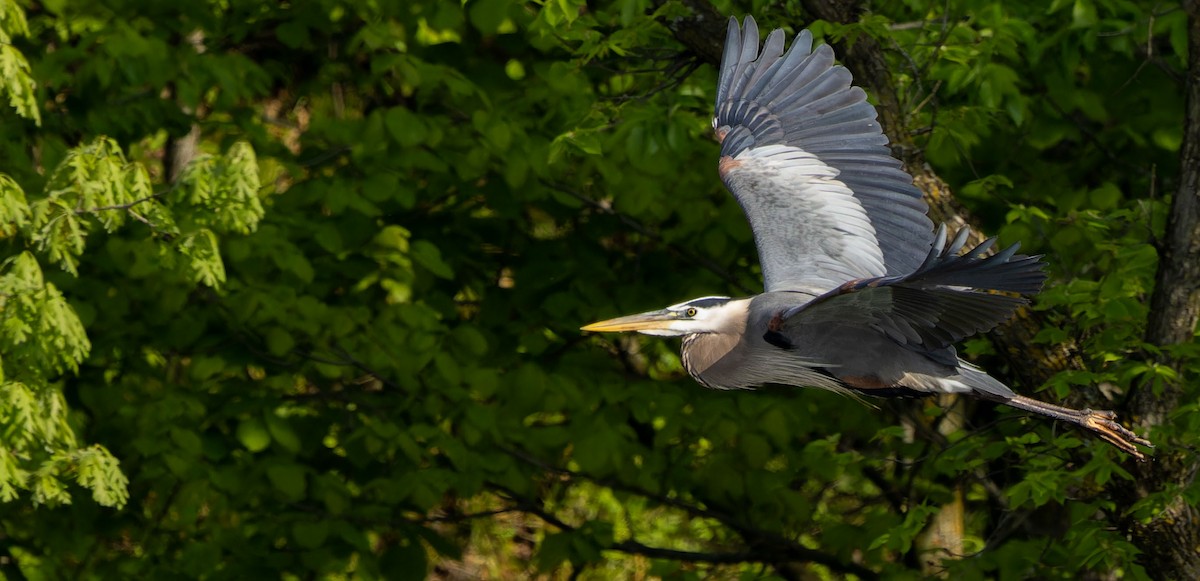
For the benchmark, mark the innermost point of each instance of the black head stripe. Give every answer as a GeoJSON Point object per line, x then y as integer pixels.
{"type": "Point", "coordinates": [707, 302]}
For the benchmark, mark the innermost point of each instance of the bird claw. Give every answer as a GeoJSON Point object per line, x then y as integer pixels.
{"type": "Point", "coordinates": [1104, 424]}
{"type": "Point", "coordinates": [1106, 414]}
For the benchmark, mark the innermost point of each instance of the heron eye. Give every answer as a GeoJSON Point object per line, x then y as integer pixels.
{"type": "Point", "coordinates": [691, 312]}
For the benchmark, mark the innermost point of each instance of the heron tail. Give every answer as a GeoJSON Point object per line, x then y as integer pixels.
{"type": "Point", "coordinates": [982, 384]}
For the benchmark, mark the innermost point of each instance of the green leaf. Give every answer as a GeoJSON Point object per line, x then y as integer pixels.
{"type": "Point", "coordinates": [282, 432]}
{"type": "Point", "coordinates": [206, 367]}
{"type": "Point", "coordinates": [310, 535]}
{"type": "Point", "coordinates": [16, 81]}
{"type": "Point", "coordinates": [553, 550]}
{"type": "Point", "coordinates": [1083, 15]}
{"type": "Point", "coordinates": [14, 211]}
{"type": "Point", "coordinates": [405, 560]}
{"type": "Point", "coordinates": [293, 34]}
{"type": "Point", "coordinates": [755, 449]}
{"type": "Point", "coordinates": [203, 257]}
{"type": "Point", "coordinates": [288, 479]}
{"type": "Point", "coordinates": [1106, 196]}
{"type": "Point", "coordinates": [406, 128]}
{"type": "Point", "coordinates": [471, 340]}
{"type": "Point", "coordinates": [1168, 138]}
{"type": "Point", "coordinates": [253, 434]}
{"type": "Point", "coordinates": [428, 255]}
{"type": "Point", "coordinates": [279, 341]}
{"type": "Point", "coordinates": [186, 440]}
{"type": "Point", "coordinates": [514, 69]}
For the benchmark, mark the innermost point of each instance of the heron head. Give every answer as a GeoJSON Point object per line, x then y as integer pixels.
{"type": "Point", "coordinates": [702, 315]}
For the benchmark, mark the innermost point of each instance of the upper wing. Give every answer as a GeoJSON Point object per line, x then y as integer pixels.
{"type": "Point", "coordinates": [944, 301]}
{"type": "Point", "coordinates": [803, 154]}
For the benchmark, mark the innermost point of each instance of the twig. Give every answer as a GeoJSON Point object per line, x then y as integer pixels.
{"type": "Point", "coordinates": [927, 98]}
{"type": "Point", "coordinates": [676, 74]}
{"type": "Point", "coordinates": [322, 157]}
{"type": "Point", "coordinates": [467, 516]}
{"type": "Point", "coordinates": [120, 206]}
{"type": "Point", "coordinates": [141, 218]}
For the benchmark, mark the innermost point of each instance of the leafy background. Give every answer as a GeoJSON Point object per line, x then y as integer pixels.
{"type": "Point", "coordinates": [294, 290]}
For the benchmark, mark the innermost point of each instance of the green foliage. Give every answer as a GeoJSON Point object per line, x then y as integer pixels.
{"type": "Point", "coordinates": [222, 192]}
{"type": "Point", "coordinates": [15, 80]}
{"type": "Point", "coordinates": [343, 342]}
{"type": "Point", "coordinates": [41, 337]}
{"type": "Point", "coordinates": [89, 178]}
{"type": "Point", "coordinates": [41, 334]}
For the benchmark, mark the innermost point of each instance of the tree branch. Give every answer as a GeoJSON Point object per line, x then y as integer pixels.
{"type": "Point", "coordinates": [120, 206]}
{"type": "Point", "coordinates": [768, 554]}
{"type": "Point", "coordinates": [451, 518]}
{"type": "Point", "coordinates": [703, 31]}
{"type": "Point", "coordinates": [793, 554]}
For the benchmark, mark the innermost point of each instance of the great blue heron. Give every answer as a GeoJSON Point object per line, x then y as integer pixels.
{"type": "Point", "coordinates": [862, 296]}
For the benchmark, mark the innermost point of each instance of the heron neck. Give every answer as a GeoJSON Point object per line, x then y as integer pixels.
{"type": "Point", "coordinates": [702, 350]}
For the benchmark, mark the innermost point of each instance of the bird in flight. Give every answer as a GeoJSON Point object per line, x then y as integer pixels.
{"type": "Point", "coordinates": [862, 295]}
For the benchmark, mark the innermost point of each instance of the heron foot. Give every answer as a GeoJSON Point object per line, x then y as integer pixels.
{"type": "Point", "coordinates": [1103, 423]}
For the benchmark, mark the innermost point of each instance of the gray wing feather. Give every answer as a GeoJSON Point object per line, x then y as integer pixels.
{"type": "Point", "coordinates": [947, 299]}
{"type": "Point", "coordinates": [802, 99]}
{"type": "Point", "coordinates": [811, 232]}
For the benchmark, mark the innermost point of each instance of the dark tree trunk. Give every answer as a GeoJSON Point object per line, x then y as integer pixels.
{"type": "Point", "coordinates": [1175, 305]}
{"type": "Point", "coordinates": [1170, 541]}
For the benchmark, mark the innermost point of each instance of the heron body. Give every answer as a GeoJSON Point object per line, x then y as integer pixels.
{"type": "Point", "coordinates": [862, 295]}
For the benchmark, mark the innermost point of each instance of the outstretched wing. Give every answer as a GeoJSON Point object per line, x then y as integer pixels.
{"type": "Point", "coordinates": [803, 154]}
{"type": "Point", "coordinates": [947, 299]}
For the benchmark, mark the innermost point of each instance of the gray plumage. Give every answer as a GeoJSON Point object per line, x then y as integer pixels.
{"type": "Point", "coordinates": [861, 294]}
{"type": "Point", "coordinates": [802, 100]}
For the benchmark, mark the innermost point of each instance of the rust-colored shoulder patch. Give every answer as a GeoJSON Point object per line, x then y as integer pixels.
{"type": "Point", "coordinates": [776, 322]}
{"type": "Point", "coordinates": [727, 164]}
{"type": "Point", "coordinates": [721, 133]}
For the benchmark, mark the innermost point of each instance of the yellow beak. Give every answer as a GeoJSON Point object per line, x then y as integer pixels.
{"type": "Point", "coordinates": [651, 321]}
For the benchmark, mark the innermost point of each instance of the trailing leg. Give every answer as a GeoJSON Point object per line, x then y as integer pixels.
{"type": "Point", "coordinates": [1102, 422]}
